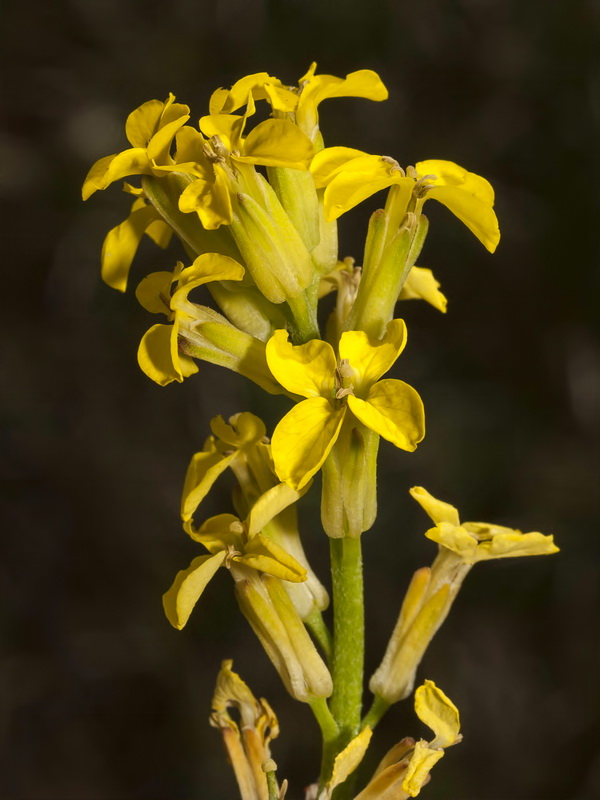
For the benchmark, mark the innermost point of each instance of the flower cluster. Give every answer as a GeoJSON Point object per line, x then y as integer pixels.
{"type": "Point", "coordinates": [254, 207]}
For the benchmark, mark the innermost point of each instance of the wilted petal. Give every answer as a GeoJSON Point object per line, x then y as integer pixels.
{"type": "Point", "coordinates": [439, 713]}
{"type": "Point", "coordinates": [180, 599]}
{"type": "Point", "coordinates": [436, 509]}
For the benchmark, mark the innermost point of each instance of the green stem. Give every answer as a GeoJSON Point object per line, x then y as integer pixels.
{"type": "Point", "coordinates": [348, 631]}
{"type": "Point", "coordinates": [316, 625]}
{"type": "Point", "coordinates": [375, 713]}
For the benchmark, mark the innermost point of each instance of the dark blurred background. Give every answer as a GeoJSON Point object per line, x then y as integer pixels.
{"type": "Point", "coordinates": [100, 698]}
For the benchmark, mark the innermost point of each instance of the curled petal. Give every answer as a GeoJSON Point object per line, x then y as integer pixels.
{"type": "Point", "coordinates": [303, 439]}
{"type": "Point", "coordinates": [419, 767]}
{"type": "Point", "coordinates": [306, 369]}
{"type": "Point", "coordinates": [113, 168]}
{"type": "Point", "coordinates": [121, 244]}
{"type": "Point", "coordinates": [394, 410]}
{"type": "Point", "coordinates": [479, 217]}
{"type": "Point", "coordinates": [436, 509]}
{"type": "Point", "coordinates": [154, 292]}
{"type": "Point", "coordinates": [372, 358]}
{"type": "Point", "coordinates": [439, 713]}
{"type": "Point", "coordinates": [242, 429]}
{"type": "Point", "coordinates": [202, 472]}
{"type": "Point", "coordinates": [210, 199]}
{"type": "Point", "coordinates": [159, 356]}
{"type": "Point", "coordinates": [450, 174]}
{"type": "Point", "coordinates": [180, 599]}
{"type": "Point", "coordinates": [359, 179]}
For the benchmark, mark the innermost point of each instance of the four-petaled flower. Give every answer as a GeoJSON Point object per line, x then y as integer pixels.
{"type": "Point", "coordinates": [350, 176]}
{"type": "Point", "coordinates": [336, 389]}
{"type": "Point", "coordinates": [478, 541]}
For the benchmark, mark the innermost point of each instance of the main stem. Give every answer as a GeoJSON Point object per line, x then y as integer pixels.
{"type": "Point", "coordinates": [348, 635]}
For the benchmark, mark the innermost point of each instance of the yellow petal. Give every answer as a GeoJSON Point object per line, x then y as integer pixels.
{"type": "Point", "coordinates": [121, 244]}
{"type": "Point", "coordinates": [270, 504]}
{"type": "Point", "coordinates": [439, 713]}
{"type": "Point", "coordinates": [206, 268]}
{"type": "Point", "coordinates": [210, 199]}
{"type": "Point", "coordinates": [159, 145]}
{"type": "Point", "coordinates": [350, 757]}
{"type": "Point", "coordinates": [154, 292]}
{"type": "Point", "coordinates": [359, 179]}
{"type": "Point", "coordinates": [478, 216]}
{"type": "Point", "coordinates": [202, 472]}
{"type": "Point", "coordinates": [421, 285]}
{"type": "Point", "coordinates": [244, 428]}
{"type": "Point", "coordinates": [327, 163]}
{"type": "Point", "coordinates": [303, 439]}
{"type": "Point", "coordinates": [362, 83]}
{"type": "Point", "coordinates": [394, 410]}
{"type": "Point", "coordinates": [237, 96]}
{"type": "Point", "coordinates": [281, 99]}
{"type": "Point", "coordinates": [160, 232]}
{"type": "Point", "coordinates": [143, 122]}
{"type": "Point", "coordinates": [113, 168]}
{"type": "Point", "coordinates": [217, 101]}
{"type": "Point", "coordinates": [420, 765]}
{"type": "Point", "coordinates": [180, 599]}
{"type": "Point", "coordinates": [159, 358]}
{"type": "Point", "coordinates": [278, 143]}
{"type": "Point", "coordinates": [437, 509]}
{"type": "Point", "coordinates": [265, 555]}
{"type": "Point", "coordinates": [457, 539]}
{"type": "Point", "coordinates": [221, 532]}
{"type": "Point", "coordinates": [450, 174]}
{"type": "Point", "coordinates": [306, 369]}
{"type": "Point", "coordinates": [228, 127]}
{"type": "Point", "coordinates": [509, 543]}
{"type": "Point", "coordinates": [372, 358]}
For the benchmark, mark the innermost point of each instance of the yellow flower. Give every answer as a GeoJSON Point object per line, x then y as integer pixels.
{"type": "Point", "coordinates": [405, 768]}
{"type": "Point", "coordinates": [259, 566]}
{"type": "Point", "coordinates": [432, 591]}
{"type": "Point", "coordinates": [220, 163]}
{"type": "Point", "coordinates": [232, 542]}
{"type": "Point", "coordinates": [304, 437]}
{"type": "Point", "coordinates": [166, 352]}
{"type": "Point", "coordinates": [242, 446]}
{"type": "Point", "coordinates": [350, 176]}
{"type": "Point", "coordinates": [478, 541]}
{"type": "Point", "coordinates": [303, 101]}
{"type": "Point", "coordinates": [150, 129]}
{"type": "Point", "coordinates": [440, 714]}
{"type": "Point", "coordinates": [247, 739]}
{"type": "Point", "coordinates": [159, 355]}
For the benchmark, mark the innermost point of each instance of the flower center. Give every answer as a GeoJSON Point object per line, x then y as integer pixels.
{"type": "Point", "coordinates": [344, 375]}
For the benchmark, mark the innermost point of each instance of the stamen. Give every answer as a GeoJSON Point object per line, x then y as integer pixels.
{"type": "Point", "coordinates": [231, 554]}
{"type": "Point", "coordinates": [395, 166]}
